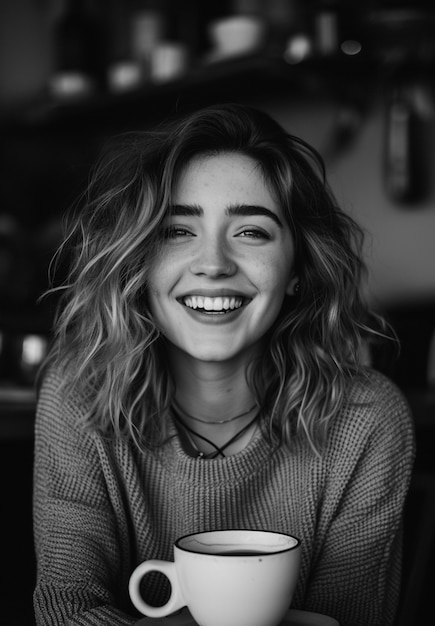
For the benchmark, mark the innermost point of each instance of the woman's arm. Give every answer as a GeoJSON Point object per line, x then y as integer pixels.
{"type": "Point", "coordinates": [76, 537]}
{"type": "Point", "coordinates": [357, 568]}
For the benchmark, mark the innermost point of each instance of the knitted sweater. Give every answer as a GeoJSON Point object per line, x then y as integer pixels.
{"type": "Point", "coordinates": [101, 507]}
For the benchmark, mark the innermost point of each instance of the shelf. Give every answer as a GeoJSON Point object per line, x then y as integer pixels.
{"type": "Point", "coordinates": [17, 413]}
{"type": "Point", "coordinates": [21, 396]}
{"type": "Point", "coordinates": [236, 80]}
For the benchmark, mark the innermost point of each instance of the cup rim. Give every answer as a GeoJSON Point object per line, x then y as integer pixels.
{"type": "Point", "coordinates": [297, 542]}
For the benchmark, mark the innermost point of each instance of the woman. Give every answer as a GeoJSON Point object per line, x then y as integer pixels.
{"type": "Point", "coordinates": [206, 373]}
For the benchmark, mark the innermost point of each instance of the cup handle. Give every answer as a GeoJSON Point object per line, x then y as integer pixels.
{"type": "Point", "coordinates": [176, 600]}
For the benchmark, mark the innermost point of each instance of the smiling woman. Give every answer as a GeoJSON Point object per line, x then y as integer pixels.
{"type": "Point", "coordinates": [223, 254]}
{"type": "Point", "coordinates": [206, 374]}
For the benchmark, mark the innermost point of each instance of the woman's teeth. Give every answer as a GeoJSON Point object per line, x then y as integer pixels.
{"type": "Point", "coordinates": [213, 304]}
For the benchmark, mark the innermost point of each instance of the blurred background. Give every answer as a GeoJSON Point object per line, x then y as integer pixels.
{"type": "Point", "coordinates": [354, 78]}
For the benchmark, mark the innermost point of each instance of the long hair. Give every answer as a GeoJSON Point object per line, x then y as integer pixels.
{"type": "Point", "coordinates": [105, 339]}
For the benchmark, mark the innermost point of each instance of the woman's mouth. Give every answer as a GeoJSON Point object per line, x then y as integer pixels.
{"type": "Point", "coordinates": [218, 305]}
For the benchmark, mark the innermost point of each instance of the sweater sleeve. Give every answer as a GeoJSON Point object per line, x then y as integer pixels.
{"type": "Point", "coordinates": [76, 538]}
{"type": "Point", "coordinates": [358, 564]}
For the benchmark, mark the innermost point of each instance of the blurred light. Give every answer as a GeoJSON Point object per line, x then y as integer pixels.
{"type": "Point", "coordinates": [351, 47]}
{"type": "Point", "coordinates": [34, 350]}
{"type": "Point", "coordinates": [124, 76]}
{"type": "Point", "coordinates": [298, 49]}
{"type": "Point", "coordinates": [168, 61]}
{"type": "Point", "coordinates": [70, 84]}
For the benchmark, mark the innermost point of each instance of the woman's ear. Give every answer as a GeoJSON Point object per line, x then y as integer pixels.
{"type": "Point", "coordinates": [293, 286]}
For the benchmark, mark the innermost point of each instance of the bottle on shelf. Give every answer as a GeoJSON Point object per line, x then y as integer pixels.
{"type": "Point", "coordinates": [327, 27]}
{"type": "Point", "coordinates": [79, 49]}
{"type": "Point", "coordinates": [147, 31]}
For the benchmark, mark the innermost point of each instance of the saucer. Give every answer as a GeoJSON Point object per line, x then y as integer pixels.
{"type": "Point", "coordinates": [307, 618]}
{"type": "Point", "coordinates": [292, 618]}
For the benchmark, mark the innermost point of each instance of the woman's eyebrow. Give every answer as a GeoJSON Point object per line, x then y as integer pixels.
{"type": "Point", "coordinates": [246, 210]}
{"type": "Point", "coordinates": [237, 210]}
{"type": "Point", "coordinates": [186, 210]}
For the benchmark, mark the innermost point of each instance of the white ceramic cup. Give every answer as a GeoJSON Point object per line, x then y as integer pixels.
{"type": "Point", "coordinates": [226, 578]}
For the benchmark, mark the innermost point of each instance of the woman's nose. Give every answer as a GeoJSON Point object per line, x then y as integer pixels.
{"type": "Point", "coordinates": [212, 258]}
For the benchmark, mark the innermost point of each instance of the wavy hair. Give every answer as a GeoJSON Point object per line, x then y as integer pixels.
{"type": "Point", "coordinates": [105, 339]}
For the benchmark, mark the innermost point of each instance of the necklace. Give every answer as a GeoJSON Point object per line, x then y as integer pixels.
{"type": "Point", "coordinates": [179, 410]}
{"type": "Point", "coordinates": [219, 450]}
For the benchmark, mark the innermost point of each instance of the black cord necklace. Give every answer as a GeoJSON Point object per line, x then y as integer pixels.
{"type": "Point", "coordinates": [179, 410]}
{"type": "Point", "coordinates": [219, 450]}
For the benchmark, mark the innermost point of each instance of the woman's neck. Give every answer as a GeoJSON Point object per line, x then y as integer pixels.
{"type": "Point", "coordinates": [214, 406]}
{"type": "Point", "coordinates": [211, 391]}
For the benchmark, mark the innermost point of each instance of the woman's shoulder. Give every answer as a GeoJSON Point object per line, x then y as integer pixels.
{"type": "Point", "coordinates": [59, 400]}
{"type": "Point", "coordinates": [375, 403]}
{"type": "Point", "coordinates": [58, 384]}
{"type": "Point", "coordinates": [371, 388]}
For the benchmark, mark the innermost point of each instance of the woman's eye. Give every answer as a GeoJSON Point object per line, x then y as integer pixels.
{"type": "Point", "coordinates": [254, 233]}
{"type": "Point", "coordinates": [176, 232]}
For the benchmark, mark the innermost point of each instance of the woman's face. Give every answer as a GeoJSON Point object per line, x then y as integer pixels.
{"type": "Point", "coordinates": [227, 260]}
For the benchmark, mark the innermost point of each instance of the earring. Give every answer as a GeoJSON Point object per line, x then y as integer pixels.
{"type": "Point", "coordinates": [297, 288]}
